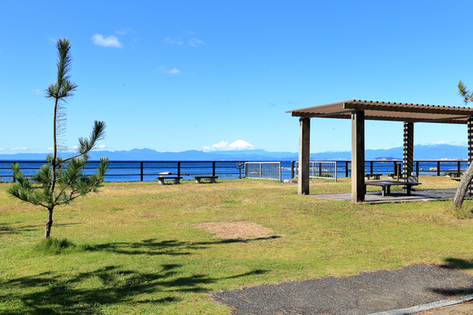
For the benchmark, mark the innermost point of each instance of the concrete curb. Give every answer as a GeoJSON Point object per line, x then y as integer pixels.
{"type": "Point", "coordinates": [428, 306]}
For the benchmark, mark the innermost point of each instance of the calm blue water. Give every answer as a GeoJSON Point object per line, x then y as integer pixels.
{"type": "Point", "coordinates": [131, 171]}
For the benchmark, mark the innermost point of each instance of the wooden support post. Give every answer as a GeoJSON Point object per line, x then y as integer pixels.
{"type": "Point", "coordinates": [358, 156]}
{"type": "Point", "coordinates": [470, 139]}
{"type": "Point", "coordinates": [408, 150]}
{"type": "Point", "coordinates": [304, 156]}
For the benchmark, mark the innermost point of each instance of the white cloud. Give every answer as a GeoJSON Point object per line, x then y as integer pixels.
{"type": "Point", "coordinates": [224, 146]}
{"type": "Point", "coordinates": [110, 41]}
{"type": "Point", "coordinates": [176, 41]}
{"type": "Point", "coordinates": [163, 69]}
{"type": "Point", "coordinates": [194, 42]}
{"type": "Point", "coordinates": [101, 146]}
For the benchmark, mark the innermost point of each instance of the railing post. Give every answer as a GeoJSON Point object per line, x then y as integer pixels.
{"type": "Point", "coordinates": [280, 172]}
{"type": "Point", "coordinates": [292, 169]}
{"type": "Point", "coordinates": [178, 169]}
{"type": "Point", "coordinates": [320, 169]}
{"type": "Point", "coordinates": [417, 168]}
{"type": "Point", "coordinates": [458, 167]}
{"type": "Point", "coordinates": [438, 168]}
{"type": "Point", "coordinates": [213, 168]}
{"type": "Point", "coordinates": [141, 170]}
{"type": "Point", "coordinates": [346, 169]}
{"type": "Point", "coordinates": [371, 167]}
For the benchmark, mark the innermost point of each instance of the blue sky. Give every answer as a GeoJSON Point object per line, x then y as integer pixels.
{"type": "Point", "coordinates": [211, 75]}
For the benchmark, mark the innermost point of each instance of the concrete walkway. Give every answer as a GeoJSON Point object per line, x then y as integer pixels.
{"type": "Point", "coordinates": [459, 309]}
{"type": "Point", "coordinates": [396, 196]}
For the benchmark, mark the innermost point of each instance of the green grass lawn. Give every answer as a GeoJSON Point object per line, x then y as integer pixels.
{"type": "Point", "coordinates": [139, 248]}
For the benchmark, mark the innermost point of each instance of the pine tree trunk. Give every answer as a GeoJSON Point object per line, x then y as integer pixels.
{"type": "Point", "coordinates": [49, 224]}
{"type": "Point", "coordinates": [463, 187]}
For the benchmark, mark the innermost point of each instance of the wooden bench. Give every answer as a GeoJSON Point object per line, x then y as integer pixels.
{"type": "Point", "coordinates": [176, 179]}
{"type": "Point", "coordinates": [453, 174]}
{"type": "Point", "coordinates": [386, 185]}
{"type": "Point", "coordinates": [198, 178]}
{"type": "Point", "coordinates": [375, 176]}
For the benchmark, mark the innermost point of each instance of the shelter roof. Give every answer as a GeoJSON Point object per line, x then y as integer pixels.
{"type": "Point", "coordinates": [389, 112]}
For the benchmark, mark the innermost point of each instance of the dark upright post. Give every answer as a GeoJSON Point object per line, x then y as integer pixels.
{"type": "Point", "coordinates": [304, 156]}
{"type": "Point", "coordinates": [141, 170]}
{"type": "Point", "coordinates": [408, 150]}
{"type": "Point", "coordinates": [358, 156]}
{"type": "Point", "coordinates": [470, 140]}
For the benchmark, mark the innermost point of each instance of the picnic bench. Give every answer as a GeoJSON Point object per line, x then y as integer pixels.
{"type": "Point", "coordinates": [453, 174]}
{"type": "Point", "coordinates": [199, 178]}
{"type": "Point", "coordinates": [470, 188]}
{"type": "Point", "coordinates": [386, 185]}
{"type": "Point", "coordinates": [375, 176]}
{"type": "Point", "coordinates": [162, 178]}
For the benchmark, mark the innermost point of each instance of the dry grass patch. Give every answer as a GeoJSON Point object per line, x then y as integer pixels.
{"type": "Point", "coordinates": [236, 230]}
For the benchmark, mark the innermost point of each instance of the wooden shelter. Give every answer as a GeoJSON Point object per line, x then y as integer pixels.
{"type": "Point", "coordinates": [359, 111]}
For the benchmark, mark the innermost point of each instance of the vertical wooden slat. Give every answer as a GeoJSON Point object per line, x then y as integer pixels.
{"type": "Point", "coordinates": [470, 139]}
{"type": "Point", "coordinates": [408, 150]}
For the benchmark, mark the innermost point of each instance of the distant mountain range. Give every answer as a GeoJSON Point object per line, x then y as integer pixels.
{"type": "Point", "coordinates": [421, 152]}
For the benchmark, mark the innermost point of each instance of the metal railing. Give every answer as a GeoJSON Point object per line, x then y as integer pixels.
{"type": "Point", "coordinates": [320, 169]}
{"type": "Point", "coordinates": [263, 170]}
{"type": "Point", "coordinates": [149, 170]}
{"type": "Point", "coordinates": [139, 170]}
{"type": "Point", "coordinates": [390, 167]}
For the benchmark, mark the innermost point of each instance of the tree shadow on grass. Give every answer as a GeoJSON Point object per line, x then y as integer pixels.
{"type": "Point", "coordinates": [167, 247]}
{"type": "Point", "coordinates": [457, 264]}
{"type": "Point", "coordinates": [49, 293]}
{"type": "Point", "coordinates": [9, 228]}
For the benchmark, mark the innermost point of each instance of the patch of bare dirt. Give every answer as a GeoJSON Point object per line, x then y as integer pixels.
{"type": "Point", "coordinates": [234, 230]}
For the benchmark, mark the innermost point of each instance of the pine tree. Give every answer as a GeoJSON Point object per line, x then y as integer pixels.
{"type": "Point", "coordinates": [60, 181]}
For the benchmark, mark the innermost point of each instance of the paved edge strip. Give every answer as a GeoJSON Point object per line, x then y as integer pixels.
{"type": "Point", "coordinates": [428, 306]}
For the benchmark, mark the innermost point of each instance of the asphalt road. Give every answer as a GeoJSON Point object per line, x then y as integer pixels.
{"type": "Point", "coordinates": [366, 293]}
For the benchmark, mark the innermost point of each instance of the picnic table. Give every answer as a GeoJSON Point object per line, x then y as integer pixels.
{"type": "Point", "coordinates": [453, 174]}
{"type": "Point", "coordinates": [199, 178]}
{"type": "Point", "coordinates": [386, 185]}
{"type": "Point", "coordinates": [469, 186]}
{"type": "Point", "coordinates": [162, 178]}
{"type": "Point", "coordinates": [375, 176]}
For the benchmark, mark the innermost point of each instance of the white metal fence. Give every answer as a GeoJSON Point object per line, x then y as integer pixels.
{"type": "Point", "coordinates": [320, 169]}
{"type": "Point", "coordinates": [263, 170]}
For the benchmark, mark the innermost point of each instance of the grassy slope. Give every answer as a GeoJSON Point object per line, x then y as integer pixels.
{"type": "Point", "coordinates": [144, 254]}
